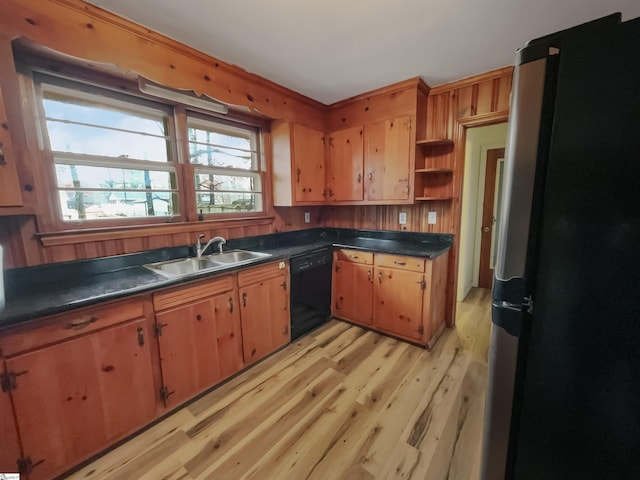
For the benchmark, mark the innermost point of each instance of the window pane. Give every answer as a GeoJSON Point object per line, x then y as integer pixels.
{"type": "Point", "coordinates": [84, 176]}
{"type": "Point", "coordinates": [234, 183]}
{"type": "Point", "coordinates": [61, 107]}
{"type": "Point", "coordinates": [201, 135]}
{"type": "Point", "coordinates": [67, 137]}
{"type": "Point", "coordinates": [220, 157]}
{"type": "Point", "coordinates": [228, 202]}
{"type": "Point", "coordinates": [104, 204]}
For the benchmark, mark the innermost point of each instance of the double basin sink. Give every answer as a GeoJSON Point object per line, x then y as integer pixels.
{"type": "Point", "coordinates": [218, 261]}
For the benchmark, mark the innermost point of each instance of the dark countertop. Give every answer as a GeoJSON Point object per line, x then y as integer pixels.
{"type": "Point", "coordinates": [54, 288]}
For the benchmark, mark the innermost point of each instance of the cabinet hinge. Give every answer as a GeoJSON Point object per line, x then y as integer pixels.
{"type": "Point", "coordinates": [165, 394]}
{"type": "Point", "coordinates": [284, 285]}
{"type": "Point", "coordinates": [26, 465]}
{"type": "Point", "coordinates": [8, 380]}
{"type": "Point", "coordinates": [157, 329]}
{"type": "Point", "coordinates": [421, 329]}
{"type": "Point", "coordinates": [337, 268]}
{"type": "Point", "coordinates": [423, 284]}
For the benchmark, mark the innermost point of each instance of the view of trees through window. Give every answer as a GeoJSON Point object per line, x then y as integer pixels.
{"type": "Point", "coordinates": [114, 156]}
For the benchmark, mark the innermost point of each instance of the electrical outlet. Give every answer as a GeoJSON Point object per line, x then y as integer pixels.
{"type": "Point", "coordinates": [402, 218]}
{"type": "Point", "coordinates": [307, 217]}
{"type": "Point", "coordinates": [431, 218]}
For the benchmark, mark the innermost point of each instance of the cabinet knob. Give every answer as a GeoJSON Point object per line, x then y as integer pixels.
{"type": "Point", "coordinates": [198, 317]}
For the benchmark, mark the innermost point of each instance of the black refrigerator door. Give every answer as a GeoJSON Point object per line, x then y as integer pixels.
{"type": "Point", "coordinates": [579, 407]}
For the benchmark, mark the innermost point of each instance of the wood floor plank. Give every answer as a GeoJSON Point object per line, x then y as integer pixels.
{"type": "Point", "coordinates": [339, 403]}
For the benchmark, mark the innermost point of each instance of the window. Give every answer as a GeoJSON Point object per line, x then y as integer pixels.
{"type": "Point", "coordinates": [228, 177]}
{"type": "Point", "coordinates": [113, 157]}
{"type": "Point", "coordinates": [116, 158]}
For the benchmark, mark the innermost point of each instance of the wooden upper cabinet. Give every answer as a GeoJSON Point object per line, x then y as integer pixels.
{"type": "Point", "coordinates": [73, 398]}
{"type": "Point", "coordinates": [387, 157]}
{"type": "Point", "coordinates": [345, 165]}
{"type": "Point", "coordinates": [10, 192]}
{"type": "Point", "coordinates": [298, 164]}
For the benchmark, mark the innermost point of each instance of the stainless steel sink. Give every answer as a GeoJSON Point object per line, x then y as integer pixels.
{"type": "Point", "coordinates": [236, 256]}
{"type": "Point", "coordinates": [183, 266]}
{"type": "Point", "coordinates": [189, 266]}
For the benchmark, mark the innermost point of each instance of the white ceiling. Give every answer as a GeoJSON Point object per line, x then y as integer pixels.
{"type": "Point", "coordinates": [333, 49]}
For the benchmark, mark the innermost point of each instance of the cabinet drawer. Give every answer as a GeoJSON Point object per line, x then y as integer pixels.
{"type": "Point", "coordinates": [263, 272]}
{"type": "Point", "coordinates": [66, 325]}
{"type": "Point", "coordinates": [173, 297]}
{"type": "Point", "coordinates": [413, 264]}
{"type": "Point", "coordinates": [356, 256]}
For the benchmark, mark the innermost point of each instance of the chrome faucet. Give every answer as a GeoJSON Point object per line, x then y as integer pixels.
{"type": "Point", "coordinates": [200, 249]}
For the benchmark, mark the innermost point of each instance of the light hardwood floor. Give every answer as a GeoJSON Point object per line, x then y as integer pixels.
{"type": "Point", "coordinates": [340, 403]}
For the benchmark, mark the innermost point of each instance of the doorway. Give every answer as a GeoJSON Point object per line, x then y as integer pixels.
{"type": "Point", "coordinates": [479, 141]}
{"type": "Point", "coordinates": [490, 215]}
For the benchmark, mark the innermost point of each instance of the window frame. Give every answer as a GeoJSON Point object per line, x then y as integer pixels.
{"type": "Point", "coordinates": [259, 171]}
{"type": "Point", "coordinates": [122, 88]}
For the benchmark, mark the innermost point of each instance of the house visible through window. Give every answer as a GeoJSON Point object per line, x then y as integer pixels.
{"type": "Point", "coordinates": [227, 170]}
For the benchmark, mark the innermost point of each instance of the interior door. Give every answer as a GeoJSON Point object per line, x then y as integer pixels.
{"type": "Point", "coordinates": [491, 180]}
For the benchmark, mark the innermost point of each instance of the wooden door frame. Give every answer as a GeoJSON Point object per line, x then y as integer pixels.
{"type": "Point", "coordinates": [460, 137]}
{"type": "Point", "coordinates": [491, 160]}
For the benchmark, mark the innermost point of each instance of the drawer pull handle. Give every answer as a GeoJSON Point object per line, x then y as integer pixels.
{"type": "Point", "coordinates": [399, 263]}
{"type": "Point", "coordinates": [230, 304]}
{"type": "Point", "coordinates": [355, 257]}
{"type": "Point", "coordinates": [81, 324]}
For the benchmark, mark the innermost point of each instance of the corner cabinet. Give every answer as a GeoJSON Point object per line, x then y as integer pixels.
{"type": "Point", "coordinates": [85, 378]}
{"type": "Point", "coordinates": [264, 309]}
{"type": "Point", "coordinates": [398, 295]}
{"type": "Point", "coordinates": [298, 165]}
{"type": "Point", "coordinates": [199, 337]}
{"type": "Point", "coordinates": [434, 170]}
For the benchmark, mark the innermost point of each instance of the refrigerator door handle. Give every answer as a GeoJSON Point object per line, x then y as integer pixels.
{"type": "Point", "coordinates": [520, 168]}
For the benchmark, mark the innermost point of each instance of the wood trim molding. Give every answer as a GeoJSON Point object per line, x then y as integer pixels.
{"type": "Point", "coordinates": [465, 82]}
{"type": "Point", "coordinates": [415, 82]}
{"type": "Point", "coordinates": [484, 119]}
{"type": "Point", "coordinates": [70, 237]}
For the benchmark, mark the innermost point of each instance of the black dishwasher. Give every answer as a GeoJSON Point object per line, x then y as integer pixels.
{"type": "Point", "coordinates": [310, 291]}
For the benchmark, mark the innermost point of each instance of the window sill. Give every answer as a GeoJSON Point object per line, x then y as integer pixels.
{"type": "Point", "coordinates": [70, 237]}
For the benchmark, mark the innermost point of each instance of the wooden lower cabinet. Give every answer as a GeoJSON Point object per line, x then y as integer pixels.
{"type": "Point", "coordinates": [199, 337]}
{"type": "Point", "coordinates": [352, 287]}
{"type": "Point", "coordinates": [73, 398]}
{"type": "Point", "coordinates": [264, 310]}
{"type": "Point", "coordinates": [9, 444]}
{"type": "Point", "coordinates": [398, 295]}
{"type": "Point", "coordinates": [397, 302]}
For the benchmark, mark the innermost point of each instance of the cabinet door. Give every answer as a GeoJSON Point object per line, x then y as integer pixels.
{"type": "Point", "coordinates": [397, 306]}
{"type": "Point", "coordinates": [228, 333]}
{"type": "Point", "coordinates": [264, 311]}
{"type": "Point", "coordinates": [188, 350]}
{"type": "Point", "coordinates": [73, 398]}
{"type": "Point", "coordinates": [387, 155]}
{"type": "Point", "coordinates": [10, 194]}
{"type": "Point", "coordinates": [10, 449]}
{"type": "Point", "coordinates": [353, 292]}
{"type": "Point", "coordinates": [308, 164]}
{"type": "Point", "coordinates": [346, 163]}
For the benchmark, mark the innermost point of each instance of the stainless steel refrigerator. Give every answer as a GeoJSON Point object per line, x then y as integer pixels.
{"type": "Point", "coordinates": [563, 399]}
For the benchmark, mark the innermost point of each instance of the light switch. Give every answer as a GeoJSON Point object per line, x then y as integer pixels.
{"type": "Point", "coordinates": [403, 218]}
{"type": "Point", "coordinates": [431, 218]}
{"type": "Point", "coordinates": [307, 217]}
